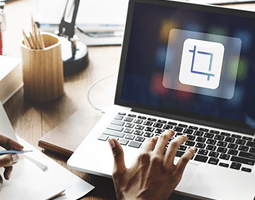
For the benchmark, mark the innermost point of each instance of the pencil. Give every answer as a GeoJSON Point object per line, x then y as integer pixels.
{"type": "Point", "coordinates": [26, 40]}
{"type": "Point", "coordinates": [14, 152]}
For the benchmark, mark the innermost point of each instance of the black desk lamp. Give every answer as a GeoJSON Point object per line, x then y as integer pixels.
{"type": "Point", "coordinates": [74, 53]}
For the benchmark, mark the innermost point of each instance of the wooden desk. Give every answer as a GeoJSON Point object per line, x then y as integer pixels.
{"type": "Point", "coordinates": [32, 121]}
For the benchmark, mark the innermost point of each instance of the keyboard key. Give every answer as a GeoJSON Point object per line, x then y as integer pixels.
{"type": "Point", "coordinates": [250, 144]}
{"type": "Point", "coordinates": [222, 144]}
{"type": "Point", "coordinates": [232, 152]}
{"type": "Point", "coordinates": [230, 139]}
{"type": "Point", "coordinates": [115, 128]}
{"type": "Point", "coordinates": [213, 161]}
{"type": "Point", "coordinates": [200, 139]}
{"type": "Point", "coordinates": [138, 121]}
{"type": "Point", "coordinates": [113, 133]}
{"type": "Point", "coordinates": [123, 141]}
{"type": "Point", "coordinates": [247, 155]}
{"type": "Point", "coordinates": [247, 138]}
{"type": "Point", "coordinates": [139, 139]}
{"type": "Point", "coordinates": [198, 133]}
{"type": "Point", "coordinates": [208, 135]}
{"type": "Point", "coordinates": [137, 132]}
{"type": "Point", "coordinates": [235, 136]}
{"type": "Point", "coordinates": [182, 147]}
{"type": "Point", "coordinates": [215, 132]}
{"type": "Point", "coordinates": [150, 129]}
{"type": "Point", "coordinates": [225, 134]}
{"type": "Point", "coordinates": [134, 144]}
{"type": "Point", "coordinates": [119, 123]}
{"type": "Point", "coordinates": [152, 119]}
{"type": "Point", "coordinates": [232, 146]}
{"type": "Point", "coordinates": [240, 141]}
{"type": "Point", "coordinates": [219, 137]}
{"type": "Point", "coordinates": [224, 156]}
{"type": "Point", "coordinates": [191, 137]}
{"type": "Point", "coordinates": [190, 143]}
{"type": "Point", "coordinates": [242, 160]}
{"type": "Point", "coordinates": [162, 121]}
{"type": "Point", "coordinates": [121, 113]}
{"type": "Point", "coordinates": [172, 123]}
{"type": "Point", "coordinates": [118, 117]}
{"type": "Point", "coordinates": [148, 123]}
{"type": "Point", "coordinates": [211, 147]}
{"type": "Point", "coordinates": [188, 131]}
{"type": "Point", "coordinates": [252, 150]}
{"type": "Point", "coordinates": [131, 115]}
{"type": "Point", "coordinates": [193, 127]}
{"type": "Point", "coordinates": [128, 130]}
{"type": "Point", "coordinates": [243, 148]}
{"type": "Point", "coordinates": [129, 125]}
{"type": "Point", "coordinates": [167, 127]}
{"type": "Point", "coordinates": [128, 119]}
{"type": "Point", "coordinates": [129, 137]}
{"type": "Point", "coordinates": [200, 145]}
{"type": "Point", "coordinates": [141, 117]}
{"type": "Point", "coordinates": [235, 166]}
{"type": "Point", "coordinates": [159, 131]}
{"type": "Point", "coordinates": [201, 158]}
{"type": "Point", "coordinates": [224, 164]}
{"type": "Point", "coordinates": [222, 150]}
{"type": "Point", "coordinates": [204, 129]}
{"type": "Point", "coordinates": [203, 152]}
{"type": "Point", "coordinates": [178, 129]}
{"type": "Point", "coordinates": [179, 153]}
{"type": "Point", "coordinates": [214, 154]}
{"type": "Point", "coordinates": [140, 127]}
{"type": "Point", "coordinates": [183, 125]}
{"type": "Point", "coordinates": [158, 125]}
{"type": "Point", "coordinates": [149, 135]}
{"type": "Point", "coordinates": [211, 141]}
{"type": "Point", "coordinates": [103, 137]}
{"type": "Point", "coordinates": [246, 169]}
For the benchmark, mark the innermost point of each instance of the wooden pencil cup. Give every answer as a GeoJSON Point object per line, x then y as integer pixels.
{"type": "Point", "coordinates": [43, 70]}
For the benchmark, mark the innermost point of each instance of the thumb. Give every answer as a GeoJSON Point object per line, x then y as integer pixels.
{"type": "Point", "coordinates": [118, 156]}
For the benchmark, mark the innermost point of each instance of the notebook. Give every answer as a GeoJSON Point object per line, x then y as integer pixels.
{"type": "Point", "coordinates": [189, 68]}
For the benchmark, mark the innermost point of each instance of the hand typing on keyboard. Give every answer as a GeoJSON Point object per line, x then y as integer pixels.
{"type": "Point", "coordinates": [154, 174]}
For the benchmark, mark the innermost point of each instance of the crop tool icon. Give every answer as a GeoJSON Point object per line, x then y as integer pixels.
{"type": "Point", "coordinates": [201, 63]}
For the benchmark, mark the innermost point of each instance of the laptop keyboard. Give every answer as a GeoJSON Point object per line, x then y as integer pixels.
{"type": "Point", "coordinates": [213, 147]}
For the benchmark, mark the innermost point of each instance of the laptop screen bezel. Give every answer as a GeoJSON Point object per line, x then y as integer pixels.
{"type": "Point", "coordinates": [168, 112]}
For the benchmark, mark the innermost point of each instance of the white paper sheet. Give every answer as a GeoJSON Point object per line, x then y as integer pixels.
{"type": "Point", "coordinates": [62, 178]}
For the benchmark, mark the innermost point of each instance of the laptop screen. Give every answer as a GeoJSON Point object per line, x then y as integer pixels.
{"type": "Point", "coordinates": [189, 60]}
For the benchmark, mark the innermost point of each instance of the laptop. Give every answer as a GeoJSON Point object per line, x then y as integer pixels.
{"type": "Point", "coordinates": [190, 68]}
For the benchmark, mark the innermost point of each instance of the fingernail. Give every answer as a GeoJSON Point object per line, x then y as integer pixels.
{"type": "Point", "coordinates": [9, 175]}
{"type": "Point", "coordinates": [193, 148]}
{"type": "Point", "coordinates": [111, 143]}
{"type": "Point", "coordinates": [15, 158]}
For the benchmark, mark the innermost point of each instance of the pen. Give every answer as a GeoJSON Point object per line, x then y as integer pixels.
{"type": "Point", "coordinates": [14, 152]}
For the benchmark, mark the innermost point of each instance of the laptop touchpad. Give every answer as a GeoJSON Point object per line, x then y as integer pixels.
{"type": "Point", "coordinates": [187, 176]}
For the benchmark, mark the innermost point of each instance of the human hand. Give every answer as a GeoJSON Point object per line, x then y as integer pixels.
{"type": "Point", "coordinates": [8, 160]}
{"type": "Point", "coordinates": [153, 175]}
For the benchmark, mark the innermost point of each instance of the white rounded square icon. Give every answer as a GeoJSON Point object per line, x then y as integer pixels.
{"type": "Point", "coordinates": [201, 63]}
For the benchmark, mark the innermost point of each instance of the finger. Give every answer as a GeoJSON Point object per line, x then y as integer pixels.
{"type": "Point", "coordinates": [118, 155]}
{"type": "Point", "coordinates": [1, 180]}
{"type": "Point", "coordinates": [7, 172]}
{"type": "Point", "coordinates": [173, 147]}
{"type": "Point", "coordinates": [162, 141]}
{"type": "Point", "coordinates": [8, 143]}
{"type": "Point", "coordinates": [185, 159]}
{"type": "Point", "coordinates": [149, 144]}
{"type": "Point", "coordinates": [8, 160]}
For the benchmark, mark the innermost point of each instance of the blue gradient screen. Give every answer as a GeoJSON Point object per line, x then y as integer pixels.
{"type": "Point", "coordinates": [154, 59]}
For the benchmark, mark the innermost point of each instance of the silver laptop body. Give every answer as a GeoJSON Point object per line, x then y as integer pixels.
{"type": "Point", "coordinates": [189, 68]}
